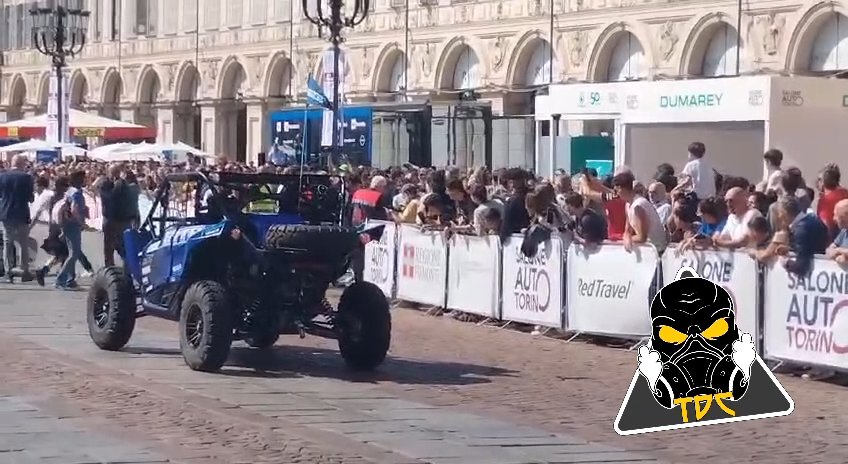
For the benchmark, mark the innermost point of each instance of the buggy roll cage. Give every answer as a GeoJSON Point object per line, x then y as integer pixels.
{"type": "Point", "coordinates": [218, 180]}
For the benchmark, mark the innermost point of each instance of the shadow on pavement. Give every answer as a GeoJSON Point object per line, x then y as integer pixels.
{"type": "Point", "coordinates": [285, 361]}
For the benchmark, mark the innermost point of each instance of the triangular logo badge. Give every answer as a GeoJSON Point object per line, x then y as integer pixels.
{"type": "Point", "coordinates": [698, 369]}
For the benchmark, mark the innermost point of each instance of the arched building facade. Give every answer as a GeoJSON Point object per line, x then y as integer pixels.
{"type": "Point", "coordinates": [215, 88]}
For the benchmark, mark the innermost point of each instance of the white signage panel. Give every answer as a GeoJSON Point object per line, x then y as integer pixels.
{"type": "Point", "coordinates": [474, 284]}
{"type": "Point", "coordinates": [422, 266]}
{"type": "Point", "coordinates": [696, 100]}
{"type": "Point", "coordinates": [609, 289]}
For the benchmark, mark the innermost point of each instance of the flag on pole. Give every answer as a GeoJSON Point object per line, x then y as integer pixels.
{"type": "Point", "coordinates": [315, 95]}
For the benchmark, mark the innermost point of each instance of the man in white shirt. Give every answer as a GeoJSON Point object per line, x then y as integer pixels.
{"type": "Point", "coordinates": [735, 231]}
{"type": "Point", "coordinates": [698, 176]}
{"type": "Point", "coordinates": [659, 198]}
{"type": "Point", "coordinates": [643, 222]}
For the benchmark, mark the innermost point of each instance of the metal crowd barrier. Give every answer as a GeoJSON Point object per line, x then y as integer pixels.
{"type": "Point", "coordinates": [607, 291]}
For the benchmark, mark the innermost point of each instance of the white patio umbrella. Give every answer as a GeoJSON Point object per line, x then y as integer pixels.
{"type": "Point", "coordinates": [39, 145]}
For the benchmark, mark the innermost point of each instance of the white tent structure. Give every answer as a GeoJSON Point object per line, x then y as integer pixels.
{"type": "Point", "coordinates": [112, 152]}
{"type": "Point", "coordinates": [738, 118]}
{"type": "Point", "coordinates": [178, 151]}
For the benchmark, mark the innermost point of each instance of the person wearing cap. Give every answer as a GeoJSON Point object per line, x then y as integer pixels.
{"type": "Point", "coordinates": [370, 203]}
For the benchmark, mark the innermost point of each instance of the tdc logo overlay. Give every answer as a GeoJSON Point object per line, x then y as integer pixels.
{"type": "Point", "coordinates": [698, 368]}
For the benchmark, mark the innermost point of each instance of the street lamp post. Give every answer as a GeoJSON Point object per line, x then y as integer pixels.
{"type": "Point", "coordinates": [59, 32]}
{"type": "Point", "coordinates": [335, 22]}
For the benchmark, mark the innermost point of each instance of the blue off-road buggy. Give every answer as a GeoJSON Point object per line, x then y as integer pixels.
{"type": "Point", "coordinates": [254, 261]}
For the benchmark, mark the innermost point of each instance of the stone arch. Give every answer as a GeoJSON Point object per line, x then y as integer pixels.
{"type": "Point", "coordinates": [806, 32]}
{"type": "Point", "coordinates": [149, 86]}
{"type": "Point", "coordinates": [111, 88]}
{"type": "Point", "coordinates": [524, 54]}
{"type": "Point", "coordinates": [17, 97]}
{"type": "Point", "coordinates": [78, 89]}
{"type": "Point", "coordinates": [232, 79]}
{"type": "Point", "coordinates": [43, 91]}
{"type": "Point", "coordinates": [187, 83]}
{"type": "Point", "coordinates": [606, 43]}
{"type": "Point", "coordinates": [700, 39]}
{"type": "Point", "coordinates": [279, 76]}
{"type": "Point", "coordinates": [452, 53]}
{"type": "Point", "coordinates": [390, 66]}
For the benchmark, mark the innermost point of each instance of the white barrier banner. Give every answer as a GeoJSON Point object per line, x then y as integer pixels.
{"type": "Point", "coordinates": [532, 287]}
{"type": "Point", "coordinates": [804, 317]}
{"type": "Point", "coordinates": [733, 270]}
{"type": "Point", "coordinates": [380, 259]}
{"type": "Point", "coordinates": [608, 289]}
{"type": "Point", "coordinates": [474, 284]}
{"type": "Point", "coordinates": [422, 266]}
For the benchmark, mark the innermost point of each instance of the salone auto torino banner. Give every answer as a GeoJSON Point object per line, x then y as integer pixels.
{"type": "Point", "coordinates": [806, 318]}
{"type": "Point", "coordinates": [733, 270]}
{"type": "Point", "coordinates": [380, 259]}
{"type": "Point", "coordinates": [532, 286]}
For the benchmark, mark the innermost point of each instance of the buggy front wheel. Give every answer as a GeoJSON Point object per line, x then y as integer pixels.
{"type": "Point", "coordinates": [363, 326]}
{"type": "Point", "coordinates": [206, 328]}
{"type": "Point", "coordinates": [111, 309]}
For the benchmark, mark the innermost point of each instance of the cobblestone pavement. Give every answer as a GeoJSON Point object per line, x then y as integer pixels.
{"type": "Point", "coordinates": [29, 435]}
{"type": "Point", "coordinates": [450, 392]}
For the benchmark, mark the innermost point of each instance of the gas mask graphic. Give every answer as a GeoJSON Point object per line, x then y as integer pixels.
{"type": "Point", "coordinates": [695, 346]}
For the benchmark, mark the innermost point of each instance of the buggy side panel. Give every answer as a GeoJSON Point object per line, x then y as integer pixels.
{"type": "Point", "coordinates": [164, 259]}
{"type": "Point", "coordinates": [134, 243]}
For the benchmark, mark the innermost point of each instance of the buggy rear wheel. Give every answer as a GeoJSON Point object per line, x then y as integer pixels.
{"type": "Point", "coordinates": [111, 309]}
{"type": "Point", "coordinates": [206, 327]}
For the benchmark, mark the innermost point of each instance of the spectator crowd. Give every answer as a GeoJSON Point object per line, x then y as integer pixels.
{"type": "Point", "coordinates": [695, 208]}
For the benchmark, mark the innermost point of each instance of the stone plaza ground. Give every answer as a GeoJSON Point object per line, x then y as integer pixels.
{"type": "Point", "coordinates": [450, 392]}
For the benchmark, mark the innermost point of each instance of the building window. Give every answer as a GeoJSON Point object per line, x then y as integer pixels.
{"type": "Point", "coordinates": [235, 13]}
{"type": "Point", "coordinates": [5, 18]}
{"type": "Point", "coordinates": [19, 26]}
{"type": "Point", "coordinates": [211, 19]}
{"type": "Point", "coordinates": [145, 18]}
{"type": "Point", "coordinates": [170, 22]}
{"type": "Point", "coordinates": [115, 20]}
{"type": "Point", "coordinates": [281, 10]}
{"type": "Point", "coordinates": [258, 11]}
{"type": "Point", "coordinates": [96, 20]}
{"type": "Point", "coordinates": [190, 15]}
